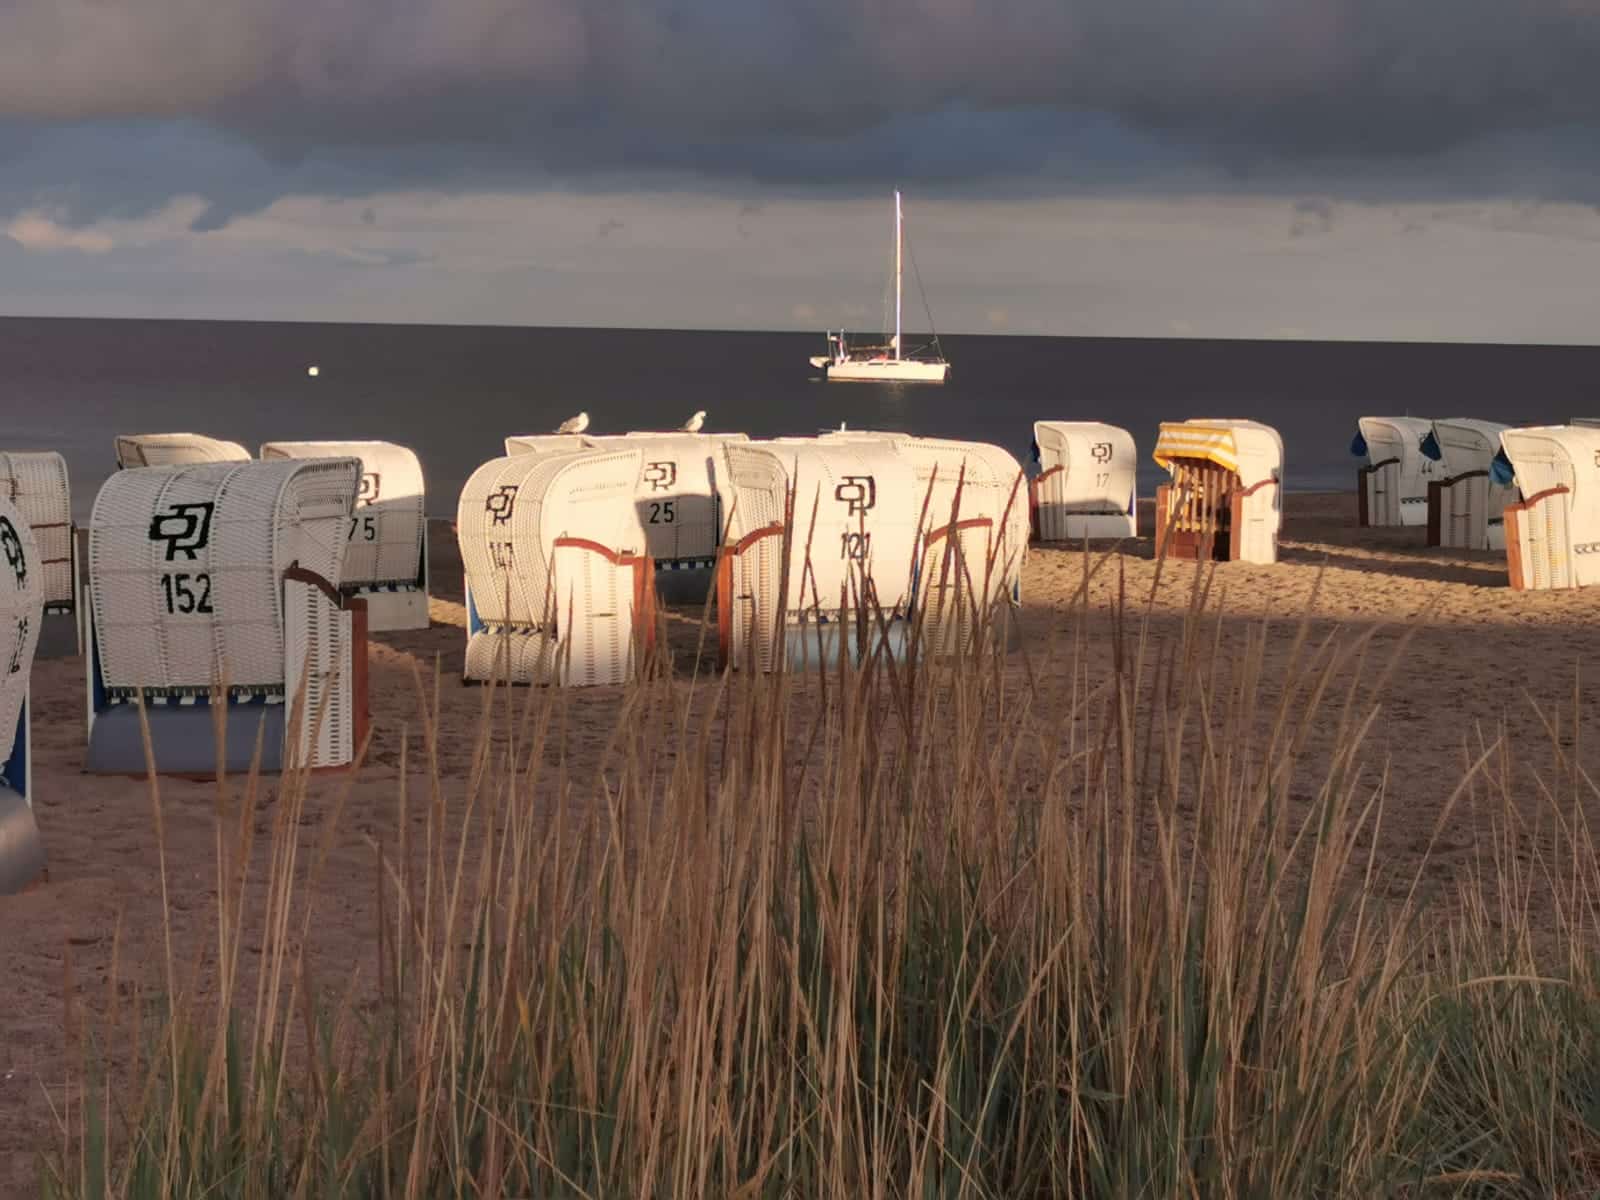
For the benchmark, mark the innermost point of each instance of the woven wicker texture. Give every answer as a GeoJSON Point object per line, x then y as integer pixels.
{"type": "Point", "coordinates": [967, 481]}
{"type": "Point", "coordinates": [510, 514]}
{"type": "Point", "coordinates": [758, 484]}
{"type": "Point", "coordinates": [1397, 492]}
{"type": "Point", "coordinates": [676, 499]}
{"type": "Point", "coordinates": [676, 496]}
{"type": "Point", "coordinates": [1087, 469]}
{"type": "Point", "coordinates": [1558, 523]}
{"type": "Point", "coordinates": [546, 443]}
{"type": "Point", "coordinates": [974, 534]}
{"type": "Point", "coordinates": [1474, 504]}
{"type": "Point", "coordinates": [174, 449]}
{"type": "Point", "coordinates": [950, 583]}
{"type": "Point", "coordinates": [510, 655]}
{"type": "Point", "coordinates": [21, 613]}
{"type": "Point", "coordinates": [389, 525]}
{"type": "Point", "coordinates": [512, 510]}
{"type": "Point", "coordinates": [1544, 543]}
{"type": "Point", "coordinates": [186, 565]}
{"type": "Point", "coordinates": [1466, 507]}
{"type": "Point", "coordinates": [594, 599]}
{"type": "Point", "coordinates": [318, 637]}
{"type": "Point", "coordinates": [856, 501]}
{"type": "Point", "coordinates": [36, 484]}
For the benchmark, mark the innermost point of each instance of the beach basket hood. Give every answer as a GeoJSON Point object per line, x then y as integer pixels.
{"type": "Point", "coordinates": [386, 547]}
{"type": "Point", "coordinates": [173, 449]}
{"type": "Point", "coordinates": [217, 583]}
{"type": "Point", "coordinates": [1403, 456]}
{"type": "Point", "coordinates": [1553, 531]}
{"type": "Point", "coordinates": [1249, 449]}
{"type": "Point", "coordinates": [677, 502]}
{"type": "Point", "coordinates": [558, 587]}
{"type": "Point", "coordinates": [1087, 486]}
{"type": "Point", "coordinates": [186, 565]}
{"type": "Point", "coordinates": [22, 584]}
{"type": "Point", "coordinates": [1466, 507]}
{"type": "Point", "coordinates": [21, 610]}
{"type": "Point", "coordinates": [36, 484]}
{"type": "Point", "coordinates": [1226, 498]}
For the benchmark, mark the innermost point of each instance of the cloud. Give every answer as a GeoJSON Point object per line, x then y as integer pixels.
{"type": "Point", "coordinates": [43, 230]}
{"type": "Point", "coordinates": [35, 231]}
{"type": "Point", "coordinates": [1113, 266]}
{"type": "Point", "coordinates": [716, 85]}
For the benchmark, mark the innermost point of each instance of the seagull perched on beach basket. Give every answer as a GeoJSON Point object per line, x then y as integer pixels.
{"type": "Point", "coordinates": [575, 424]}
{"type": "Point", "coordinates": [693, 424]}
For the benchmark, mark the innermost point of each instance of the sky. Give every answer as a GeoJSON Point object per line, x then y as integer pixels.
{"type": "Point", "coordinates": [1375, 169]}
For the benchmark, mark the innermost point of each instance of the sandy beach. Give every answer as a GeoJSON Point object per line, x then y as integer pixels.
{"type": "Point", "coordinates": [1481, 658]}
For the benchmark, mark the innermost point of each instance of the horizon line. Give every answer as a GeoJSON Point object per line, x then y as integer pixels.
{"type": "Point", "coordinates": [795, 332]}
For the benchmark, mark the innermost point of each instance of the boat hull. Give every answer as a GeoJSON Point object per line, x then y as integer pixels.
{"type": "Point", "coordinates": [888, 371]}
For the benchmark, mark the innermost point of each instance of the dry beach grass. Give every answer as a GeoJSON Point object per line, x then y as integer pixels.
{"type": "Point", "coordinates": [1262, 881]}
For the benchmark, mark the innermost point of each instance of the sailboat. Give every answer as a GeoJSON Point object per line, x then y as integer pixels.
{"type": "Point", "coordinates": [845, 363]}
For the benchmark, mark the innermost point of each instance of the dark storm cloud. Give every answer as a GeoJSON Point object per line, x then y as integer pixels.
{"type": "Point", "coordinates": [83, 171]}
{"type": "Point", "coordinates": [113, 107]}
{"type": "Point", "coordinates": [1294, 76]}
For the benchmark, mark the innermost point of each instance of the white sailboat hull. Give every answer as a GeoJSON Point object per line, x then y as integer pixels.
{"type": "Point", "coordinates": [874, 364]}
{"type": "Point", "coordinates": [888, 370]}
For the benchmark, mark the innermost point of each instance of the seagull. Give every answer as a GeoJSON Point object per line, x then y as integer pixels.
{"type": "Point", "coordinates": [575, 424]}
{"type": "Point", "coordinates": [693, 424]}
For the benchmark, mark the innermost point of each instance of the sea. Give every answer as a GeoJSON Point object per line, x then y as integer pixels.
{"type": "Point", "coordinates": [454, 393]}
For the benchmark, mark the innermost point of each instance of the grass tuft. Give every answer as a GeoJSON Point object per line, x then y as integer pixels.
{"type": "Point", "coordinates": [979, 925]}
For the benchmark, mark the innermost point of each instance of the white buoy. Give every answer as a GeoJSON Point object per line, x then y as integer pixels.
{"type": "Point", "coordinates": [313, 371]}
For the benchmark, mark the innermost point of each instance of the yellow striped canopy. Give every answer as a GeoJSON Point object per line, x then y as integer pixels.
{"type": "Point", "coordinates": [1180, 439]}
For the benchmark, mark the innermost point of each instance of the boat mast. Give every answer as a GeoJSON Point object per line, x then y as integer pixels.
{"type": "Point", "coordinates": [898, 251]}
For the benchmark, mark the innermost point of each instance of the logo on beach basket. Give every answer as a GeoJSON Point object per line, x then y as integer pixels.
{"type": "Point", "coordinates": [1100, 452]}
{"type": "Point", "coordinates": [369, 488]}
{"type": "Point", "coordinates": [660, 475]}
{"type": "Point", "coordinates": [858, 493]}
{"type": "Point", "coordinates": [500, 503]}
{"type": "Point", "coordinates": [185, 528]}
{"type": "Point", "coordinates": [11, 547]}
{"type": "Point", "coordinates": [22, 640]}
